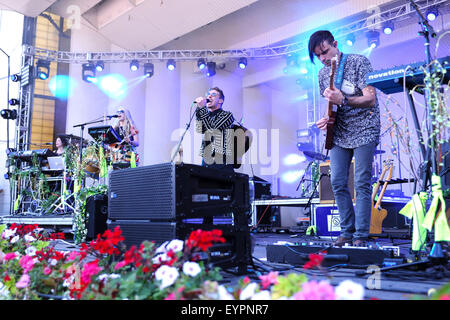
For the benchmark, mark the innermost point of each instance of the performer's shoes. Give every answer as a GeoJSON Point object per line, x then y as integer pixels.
{"type": "Point", "coordinates": [341, 241]}
{"type": "Point", "coordinates": [360, 243]}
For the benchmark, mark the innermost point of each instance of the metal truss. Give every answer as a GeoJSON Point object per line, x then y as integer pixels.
{"type": "Point", "coordinates": [377, 17]}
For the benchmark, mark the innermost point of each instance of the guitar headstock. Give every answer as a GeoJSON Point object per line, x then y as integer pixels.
{"type": "Point", "coordinates": [389, 165]}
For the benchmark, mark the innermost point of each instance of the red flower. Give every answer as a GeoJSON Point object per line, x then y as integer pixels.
{"type": "Point", "coordinates": [204, 239]}
{"type": "Point", "coordinates": [315, 260]}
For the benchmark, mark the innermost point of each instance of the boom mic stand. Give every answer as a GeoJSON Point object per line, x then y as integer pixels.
{"type": "Point", "coordinates": [188, 125]}
{"type": "Point", "coordinates": [436, 255]}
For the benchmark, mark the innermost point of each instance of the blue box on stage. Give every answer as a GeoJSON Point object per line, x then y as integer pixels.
{"type": "Point", "coordinates": [327, 220]}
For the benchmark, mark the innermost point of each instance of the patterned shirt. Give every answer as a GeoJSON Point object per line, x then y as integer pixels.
{"type": "Point", "coordinates": [216, 137]}
{"type": "Point", "coordinates": [354, 126]}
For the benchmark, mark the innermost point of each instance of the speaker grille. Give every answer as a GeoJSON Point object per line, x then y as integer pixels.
{"type": "Point", "coordinates": [143, 192]}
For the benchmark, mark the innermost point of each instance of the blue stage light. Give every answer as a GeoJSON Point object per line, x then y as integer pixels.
{"type": "Point", "coordinates": [134, 65]}
{"type": "Point", "coordinates": [242, 63]}
{"type": "Point", "coordinates": [171, 65]}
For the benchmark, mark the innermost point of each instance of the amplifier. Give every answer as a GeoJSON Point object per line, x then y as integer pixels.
{"type": "Point", "coordinates": [299, 255]}
{"type": "Point", "coordinates": [325, 191]}
{"type": "Point", "coordinates": [172, 191]}
{"type": "Point", "coordinates": [327, 220]}
{"type": "Point", "coordinates": [235, 252]}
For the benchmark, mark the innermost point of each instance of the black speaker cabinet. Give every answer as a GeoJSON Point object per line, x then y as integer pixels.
{"type": "Point", "coordinates": [172, 191]}
{"type": "Point", "coordinates": [97, 214]}
{"type": "Point", "coordinates": [325, 191]}
{"type": "Point", "coordinates": [235, 252]}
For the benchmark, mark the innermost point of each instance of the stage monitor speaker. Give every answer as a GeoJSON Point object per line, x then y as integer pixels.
{"type": "Point", "coordinates": [235, 252]}
{"type": "Point", "coordinates": [325, 191]}
{"type": "Point", "coordinates": [172, 191]}
{"type": "Point", "coordinates": [97, 214]}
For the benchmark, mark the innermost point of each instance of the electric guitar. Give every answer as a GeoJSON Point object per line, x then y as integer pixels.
{"type": "Point", "coordinates": [332, 109]}
{"type": "Point", "coordinates": [378, 214]}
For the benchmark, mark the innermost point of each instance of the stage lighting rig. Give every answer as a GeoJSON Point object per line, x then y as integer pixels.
{"type": "Point", "coordinates": [42, 69]}
{"type": "Point", "coordinates": [242, 63]}
{"type": "Point", "coordinates": [149, 69]}
{"type": "Point", "coordinates": [134, 65]}
{"type": "Point", "coordinates": [8, 114]}
{"type": "Point", "coordinates": [211, 69]}
{"type": "Point", "coordinates": [13, 102]}
{"type": "Point", "coordinates": [99, 66]}
{"type": "Point", "coordinates": [432, 13]}
{"type": "Point", "coordinates": [388, 27]}
{"type": "Point", "coordinates": [373, 38]}
{"type": "Point", "coordinates": [350, 39]}
{"type": "Point", "coordinates": [15, 77]}
{"type": "Point", "coordinates": [171, 65]}
{"type": "Point", "coordinates": [201, 63]}
{"type": "Point", "coordinates": [88, 72]}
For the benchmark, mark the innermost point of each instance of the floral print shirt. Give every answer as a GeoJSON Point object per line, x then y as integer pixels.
{"type": "Point", "coordinates": [354, 126]}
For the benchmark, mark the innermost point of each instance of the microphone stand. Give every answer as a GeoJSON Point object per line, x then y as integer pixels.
{"type": "Point", "coordinates": [188, 125]}
{"type": "Point", "coordinates": [81, 126]}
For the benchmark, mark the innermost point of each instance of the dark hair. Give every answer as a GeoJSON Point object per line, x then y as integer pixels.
{"type": "Point", "coordinates": [222, 96]}
{"type": "Point", "coordinates": [316, 39]}
{"type": "Point", "coordinates": [64, 140]}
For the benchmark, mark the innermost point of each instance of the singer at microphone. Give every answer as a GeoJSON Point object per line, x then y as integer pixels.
{"type": "Point", "coordinates": [213, 122]}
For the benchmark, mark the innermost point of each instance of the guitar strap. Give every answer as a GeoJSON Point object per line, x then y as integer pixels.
{"type": "Point", "coordinates": [340, 72]}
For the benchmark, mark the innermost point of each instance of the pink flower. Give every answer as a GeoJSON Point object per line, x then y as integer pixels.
{"type": "Point", "coordinates": [171, 296]}
{"type": "Point", "coordinates": [269, 279]}
{"type": "Point", "coordinates": [313, 290]}
{"type": "Point", "coordinates": [27, 263]}
{"type": "Point", "coordinates": [47, 270]}
{"type": "Point", "coordinates": [23, 282]}
{"type": "Point", "coordinates": [72, 255]}
{"type": "Point", "coordinates": [120, 264]}
{"type": "Point", "coordinates": [90, 269]}
{"type": "Point", "coordinates": [10, 256]}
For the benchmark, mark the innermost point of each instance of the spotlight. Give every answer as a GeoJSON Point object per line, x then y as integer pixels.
{"type": "Point", "coordinates": [134, 65]}
{"type": "Point", "coordinates": [373, 38]}
{"type": "Point", "coordinates": [211, 69]}
{"type": "Point", "coordinates": [171, 65]}
{"type": "Point", "coordinates": [15, 78]}
{"type": "Point", "coordinates": [201, 63]}
{"type": "Point", "coordinates": [350, 39]}
{"type": "Point", "coordinates": [8, 114]}
{"type": "Point", "coordinates": [100, 66]}
{"type": "Point", "coordinates": [42, 69]}
{"type": "Point", "coordinates": [13, 102]}
{"type": "Point", "coordinates": [242, 63]}
{"type": "Point", "coordinates": [388, 27]}
{"type": "Point", "coordinates": [432, 13]}
{"type": "Point", "coordinates": [88, 72]}
{"type": "Point", "coordinates": [148, 69]}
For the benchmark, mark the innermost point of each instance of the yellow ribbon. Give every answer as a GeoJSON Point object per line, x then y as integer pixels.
{"type": "Point", "coordinates": [415, 210]}
{"type": "Point", "coordinates": [133, 160]}
{"type": "Point", "coordinates": [436, 215]}
{"type": "Point", "coordinates": [103, 165]}
{"type": "Point", "coordinates": [16, 203]}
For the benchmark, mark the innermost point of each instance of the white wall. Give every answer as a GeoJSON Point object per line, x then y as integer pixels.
{"type": "Point", "coordinates": [11, 26]}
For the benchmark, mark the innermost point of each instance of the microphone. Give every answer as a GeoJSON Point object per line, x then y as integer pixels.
{"type": "Point", "coordinates": [207, 100]}
{"type": "Point", "coordinates": [113, 116]}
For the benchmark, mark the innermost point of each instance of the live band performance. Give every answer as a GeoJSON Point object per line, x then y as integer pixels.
{"type": "Point", "coordinates": [225, 150]}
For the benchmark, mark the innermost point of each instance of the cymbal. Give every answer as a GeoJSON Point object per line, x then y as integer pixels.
{"type": "Point", "coordinates": [315, 155]}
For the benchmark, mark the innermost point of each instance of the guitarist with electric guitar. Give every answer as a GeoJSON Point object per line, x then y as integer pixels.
{"type": "Point", "coordinates": [352, 126]}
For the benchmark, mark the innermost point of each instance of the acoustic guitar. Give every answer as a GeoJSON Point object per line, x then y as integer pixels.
{"type": "Point", "coordinates": [332, 109]}
{"type": "Point", "coordinates": [378, 214]}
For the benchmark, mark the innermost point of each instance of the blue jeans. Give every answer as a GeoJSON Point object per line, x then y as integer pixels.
{"type": "Point", "coordinates": [355, 221]}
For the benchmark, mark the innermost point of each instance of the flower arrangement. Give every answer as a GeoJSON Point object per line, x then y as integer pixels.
{"type": "Point", "coordinates": [105, 269]}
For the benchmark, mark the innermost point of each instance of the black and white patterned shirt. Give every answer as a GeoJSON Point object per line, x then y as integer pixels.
{"type": "Point", "coordinates": [354, 126]}
{"type": "Point", "coordinates": [217, 134]}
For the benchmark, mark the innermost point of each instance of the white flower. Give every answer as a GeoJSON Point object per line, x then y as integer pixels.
{"type": "Point", "coordinates": [175, 245]}
{"type": "Point", "coordinates": [249, 291]}
{"type": "Point", "coordinates": [262, 295]}
{"type": "Point", "coordinates": [167, 275]}
{"type": "Point", "coordinates": [349, 290]}
{"type": "Point", "coordinates": [224, 294]}
{"type": "Point", "coordinates": [29, 238]}
{"type": "Point", "coordinates": [162, 248]}
{"type": "Point", "coordinates": [191, 268]}
{"type": "Point", "coordinates": [163, 257]}
{"type": "Point", "coordinates": [4, 292]}
{"type": "Point", "coordinates": [8, 233]}
{"type": "Point", "coordinates": [30, 251]}
{"type": "Point", "coordinates": [53, 262]}
{"type": "Point", "coordinates": [15, 239]}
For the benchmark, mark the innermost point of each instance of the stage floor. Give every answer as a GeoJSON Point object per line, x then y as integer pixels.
{"type": "Point", "coordinates": [400, 284]}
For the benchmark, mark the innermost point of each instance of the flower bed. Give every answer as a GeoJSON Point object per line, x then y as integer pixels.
{"type": "Point", "coordinates": [105, 269]}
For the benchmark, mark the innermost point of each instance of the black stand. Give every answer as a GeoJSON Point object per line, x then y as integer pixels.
{"type": "Point", "coordinates": [436, 256]}
{"type": "Point", "coordinates": [188, 125]}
